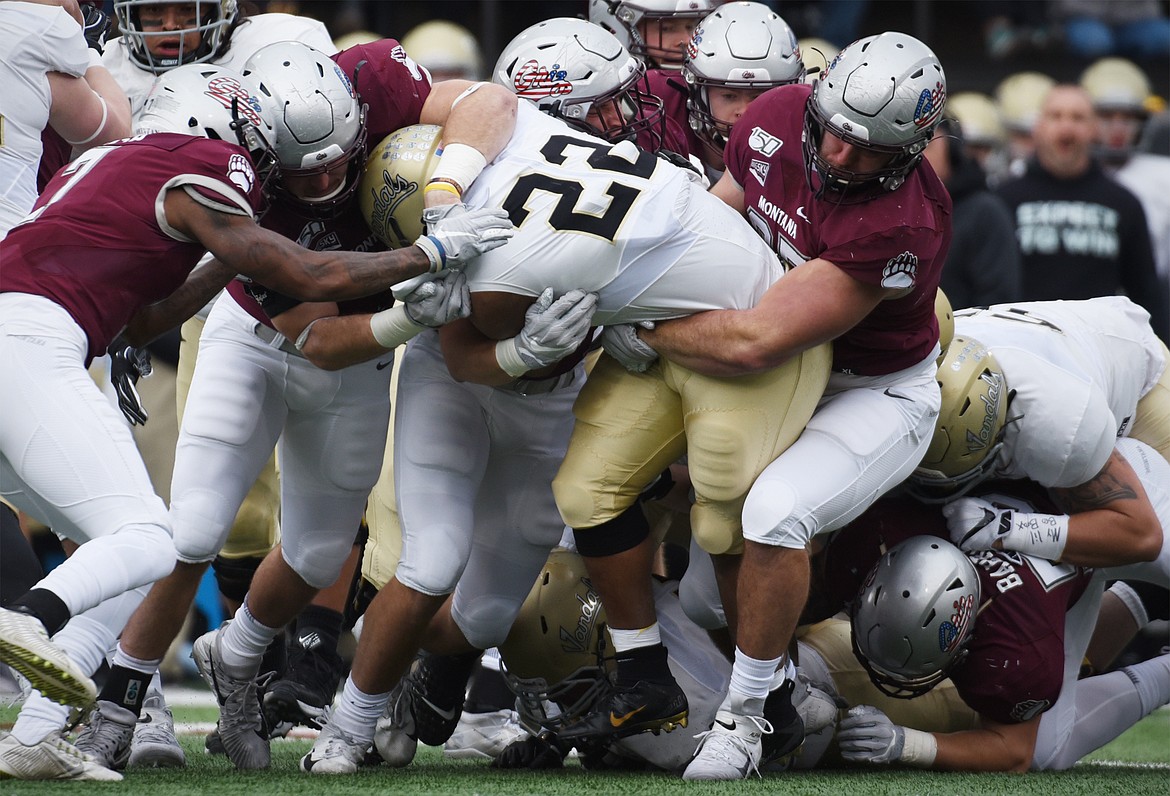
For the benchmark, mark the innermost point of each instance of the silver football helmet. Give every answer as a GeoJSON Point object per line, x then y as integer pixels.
{"type": "Point", "coordinates": [320, 122]}
{"type": "Point", "coordinates": [884, 94]}
{"type": "Point", "coordinates": [569, 67]}
{"type": "Point", "coordinates": [555, 649]}
{"type": "Point", "coordinates": [213, 102]}
{"type": "Point", "coordinates": [214, 22]}
{"type": "Point", "coordinates": [622, 17]}
{"type": "Point", "coordinates": [914, 616]}
{"type": "Point", "coordinates": [740, 45]}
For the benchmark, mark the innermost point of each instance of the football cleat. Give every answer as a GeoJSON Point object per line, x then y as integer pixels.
{"type": "Point", "coordinates": [786, 732]}
{"type": "Point", "coordinates": [241, 724]}
{"type": "Point", "coordinates": [307, 688]}
{"type": "Point", "coordinates": [643, 707]}
{"type": "Point", "coordinates": [107, 735]}
{"type": "Point", "coordinates": [731, 750]}
{"type": "Point", "coordinates": [154, 744]}
{"type": "Point", "coordinates": [51, 758]}
{"type": "Point", "coordinates": [395, 738]}
{"type": "Point", "coordinates": [334, 752]}
{"type": "Point", "coordinates": [483, 735]}
{"type": "Point", "coordinates": [25, 646]}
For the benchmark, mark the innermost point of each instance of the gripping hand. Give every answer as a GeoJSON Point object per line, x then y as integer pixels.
{"type": "Point", "coordinates": [621, 342]}
{"type": "Point", "coordinates": [976, 524]}
{"type": "Point", "coordinates": [866, 735]}
{"type": "Point", "coordinates": [127, 365]}
{"type": "Point", "coordinates": [552, 330]}
{"type": "Point", "coordinates": [439, 301]}
{"type": "Point", "coordinates": [456, 235]}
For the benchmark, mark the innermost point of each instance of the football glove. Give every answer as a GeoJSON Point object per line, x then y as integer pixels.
{"type": "Point", "coordinates": [552, 330]}
{"type": "Point", "coordinates": [531, 752]}
{"type": "Point", "coordinates": [96, 27]}
{"type": "Point", "coordinates": [127, 365]}
{"type": "Point", "coordinates": [439, 301]}
{"type": "Point", "coordinates": [866, 735]}
{"type": "Point", "coordinates": [621, 342]}
{"type": "Point", "coordinates": [456, 235]}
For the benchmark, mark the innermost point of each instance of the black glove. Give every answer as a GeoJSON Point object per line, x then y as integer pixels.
{"type": "Point", "coordinates": [96, 27]}
{"type": "Point", "coordinates": [531, 752]}
{"type": "Point", "coordinates": [127, 365]}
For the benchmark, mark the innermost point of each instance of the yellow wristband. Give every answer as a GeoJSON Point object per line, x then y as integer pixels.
{"type": "Point", "coordinates": [442, 186]}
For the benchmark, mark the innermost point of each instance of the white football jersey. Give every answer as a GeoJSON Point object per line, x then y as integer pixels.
{"type": "Point", "coordinates": [615, 220]}
{"type": "Point", "coordinates": [1078, 369]}
{"type": "Point", "coordinates": [248, 37]}
{"type": "Point", "coordinates": [34, 40]}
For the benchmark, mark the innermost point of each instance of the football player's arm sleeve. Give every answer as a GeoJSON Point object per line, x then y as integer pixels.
{"type": "Point", "coordinates": [992, 747]}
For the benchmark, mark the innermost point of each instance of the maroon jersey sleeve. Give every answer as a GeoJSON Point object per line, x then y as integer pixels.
{"type": "Point", "coordinates": [387, 80]}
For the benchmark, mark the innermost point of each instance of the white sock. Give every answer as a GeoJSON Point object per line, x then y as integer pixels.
{"type": "Point", "coordinates": [38, 719]}
{"type": "Point", "coordinates": [120, 658]}
{"type": "Point", "coordinates": [244, 642]}
{"type": "Point", "coordinates": [356, 713]}
{"type": "Point", "coordinates": [751, 679]}
{"type": "Point", "coordinates": [625, 640]}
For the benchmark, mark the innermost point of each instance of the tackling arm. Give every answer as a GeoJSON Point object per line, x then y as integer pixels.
{"type": "Point", "coordinates": [812, 304]}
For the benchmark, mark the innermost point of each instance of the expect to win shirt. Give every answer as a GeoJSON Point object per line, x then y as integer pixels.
{"type": "Point", "coordinates": [896, 239]}
{"type": "Point", "coordinates": [395, 89]}
{"type": "Point", "coordinates": [102, 273]}
{"type": "Point", "coordinates": [1014, 669]}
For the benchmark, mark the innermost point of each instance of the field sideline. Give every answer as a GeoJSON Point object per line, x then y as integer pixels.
{"type": "Point", "coordinates": [1136, 764]}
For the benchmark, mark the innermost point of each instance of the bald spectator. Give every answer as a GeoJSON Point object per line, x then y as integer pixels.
{"type": "Point", "coordinates": [1081, 233]}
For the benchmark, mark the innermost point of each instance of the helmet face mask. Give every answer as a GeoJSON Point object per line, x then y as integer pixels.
{"type": "Point", "coordinates": [320, 123]}
{"type": "Point", "coordinates": [580, 73]}
{"type": "Point", "coordinates": [214, 21]}
{"type": "Point", "coordinates": [972, 422]}
{"type": "Point", "coordinates": [914, 616]}
{"type": "Point", "coordinates": [744, 47]}
{"type": "Point", "coordinates": [884, 95]}
{"type": "Point", "coordinates": [556, 648]}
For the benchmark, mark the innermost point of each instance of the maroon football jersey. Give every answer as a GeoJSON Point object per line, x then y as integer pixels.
{"type": "Point", "coordinates": [96, 242]}
{"type": "Point", "coordinates": [896, 239]}
{"type": "Point", "coordinates": [1014, 669]}
{"type": "Point", "coordinates": [669, 87]}
{"type": "Point", "coordinates": [395, 89]}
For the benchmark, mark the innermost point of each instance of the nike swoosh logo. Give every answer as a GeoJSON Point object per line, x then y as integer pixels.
{"type": "Point", "coordinates": [895, 395]}
{"type": "Point", "coordinates": [728, 727]}
{"type": "Point", "coordinates": [800, 212]}
{"type": "Point", "coordinates": [618, 721]}
{"type": "Point", "coordinates": [384, 365]}
{"type": "Point", "coordinates": [446, 714]}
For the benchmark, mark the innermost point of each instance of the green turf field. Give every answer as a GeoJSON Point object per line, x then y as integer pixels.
{"type": "Point", "coordinates": [1136, 764]}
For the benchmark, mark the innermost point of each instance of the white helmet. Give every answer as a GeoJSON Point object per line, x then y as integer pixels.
{"type": "Point", "coordinates": [1116, 84]}
{"type": "Point", "coordinates": [568, 67]}
{"type": "Point", "coordinates": [319, 120]}
{"type": "Point", "coordinates": [883, 93]}
{"type": "Point", "coordinates": [978, 119]}
{"type": "Point", "coordinates": [445, 49]}
{"type": "Point", "coordinates": [621, 18]}
{"type": "Point", "coordinates": [739, 45]}
{"type": "Point", "coordinates": [213, 102]}
{"type": "Point", "coordinates": [914, 616]}
{"type": "Point", "coordinates": [1019, 97]}
{"type": "Point", "coordinates": [215, 20]}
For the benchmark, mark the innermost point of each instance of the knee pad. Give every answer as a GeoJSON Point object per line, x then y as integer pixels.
{"type": "Point", "coordinates": [769, 516]}
{"type": "Point", "coordinates": [486, 622]}
{"type": "Point", "coordinates": [576, 504]}
{"type": "Point", "coordinates": [234, 575]}
{"type": "Point", "coordinates": [201, 524]}
{"type": "Point", "coordinates": [625, 532]}
{"type": "Point", "coordinates": [317, 559]}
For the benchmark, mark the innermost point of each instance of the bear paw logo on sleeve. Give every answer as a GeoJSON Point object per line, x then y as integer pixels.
{"type": "Point", "coordinates": [900, 272]}
{"type": "Point", "coordinates": [240, 173]}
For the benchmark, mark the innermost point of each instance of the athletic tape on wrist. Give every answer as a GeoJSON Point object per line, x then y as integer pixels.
{"type": "Point", "coordinates": [508, 358]}
{"type": "Point", "coordinates": [434, 251]}
{"type": "Point", "coordinates": [919, 748]}
{"type": "Point", "coordinates": [1040, 535]}
{"type": "Point", "coordinates": [459, 164]}
{"type": "Point", "coordinates": [393, 327]}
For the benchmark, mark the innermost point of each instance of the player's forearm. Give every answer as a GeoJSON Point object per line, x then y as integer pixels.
{"type": "Point", "coordinates": [200, 287]}
{"type": "Point", "coordinates": [986, 750]}
{"type": "Point", "coordinates": [340, 341]}
{"type": "Point", "coordinates": [470, 355]}
{"type": "Point", "coordinates": [118, 122]}
{"type": "Point", "coordinates": [716, 343]}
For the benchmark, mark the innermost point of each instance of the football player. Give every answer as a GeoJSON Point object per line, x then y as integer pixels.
{"type": "Point", "coordinates": [738, 51]}
{"type": "Point", "coordinates": [1010, 630]}
{"type": "Point", "coordinates": [643, 235]}
{"type": "Point", "coordinates": [857, 184]}
{"type": "Point", "coordinates": [1042, 390]}
{"type": "Point", "coordinates": [189, 195]}
{"type": "Point", "coordinates": [656, 31]}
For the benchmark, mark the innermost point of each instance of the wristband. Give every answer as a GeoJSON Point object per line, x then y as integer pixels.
{"type": "Point", "coordinates": [443, 185]}
{"type": "Point", "coordinates": [919, 748]}
{"type": "Point", "coordinates": [459, 164]}
{"type": "Point", "coordinates": [101, 125]}
{"type": "Point", "coordinates": [509, 359]}
{"type": "Point", "coordinates": [393, 327]}
{"type": "Point", "coordinates": [433, 250]}
{"type": "Point", "coordinates": [1040, 535]}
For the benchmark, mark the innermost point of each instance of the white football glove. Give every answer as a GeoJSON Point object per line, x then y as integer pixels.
{"type": "Point", "coordinates": [439, 301]}
{"type": "Point", "coordinates": [866, 735]}
{"type": "Point", "coordinates": [621, 342]}
{"type": "Point", "coordinates": [975, 523]}
{"type": "Point", "coordinates": [552, 330]}
{"type": "Point", "coordinates": [456, 235]}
